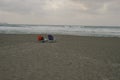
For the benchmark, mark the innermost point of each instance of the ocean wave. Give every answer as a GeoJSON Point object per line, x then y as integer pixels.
{"type": "Point", "coordinates": [112, 31]}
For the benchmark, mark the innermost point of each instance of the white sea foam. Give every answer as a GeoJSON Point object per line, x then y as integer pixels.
{"type": "Point", "coordinates": [105, 31]}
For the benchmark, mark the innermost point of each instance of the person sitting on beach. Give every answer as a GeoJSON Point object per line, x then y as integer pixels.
{"type": "Point", "coordinates": [51, 38]}
{"type": "Point", "coordinates": [40, 38]}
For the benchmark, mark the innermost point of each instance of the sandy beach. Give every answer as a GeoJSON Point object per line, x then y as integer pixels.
{"type": "Point", "coordinates": [22, 57]}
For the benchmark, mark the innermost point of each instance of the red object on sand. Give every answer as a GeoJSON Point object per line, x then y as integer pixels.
{"type": "Point", "coordinates": [39, 38]}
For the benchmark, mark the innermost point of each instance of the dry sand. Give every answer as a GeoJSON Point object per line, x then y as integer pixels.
{"type": "Point", "coordinates": [22, 57]}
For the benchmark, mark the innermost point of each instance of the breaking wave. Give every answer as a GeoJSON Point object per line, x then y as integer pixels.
{"type": "Point", "coordinates": [106, 31]}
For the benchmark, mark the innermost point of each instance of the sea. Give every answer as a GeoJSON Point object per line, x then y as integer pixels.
{"type": "Point", "coordinates": [79, 30]}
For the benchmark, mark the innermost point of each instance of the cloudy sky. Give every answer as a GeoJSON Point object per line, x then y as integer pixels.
{"type": "Point", "coordinates": [75, 12]}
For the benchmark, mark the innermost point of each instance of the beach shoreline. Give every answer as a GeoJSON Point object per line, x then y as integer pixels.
{"type": "Point", "coordinates": [22, 57]}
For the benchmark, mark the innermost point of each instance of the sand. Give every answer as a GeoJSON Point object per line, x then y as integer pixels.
{"type": "Point", "coordinates": [22, 57]}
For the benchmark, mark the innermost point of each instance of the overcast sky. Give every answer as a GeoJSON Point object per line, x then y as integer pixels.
{"type": "Point", "coordinates": [76, 12]}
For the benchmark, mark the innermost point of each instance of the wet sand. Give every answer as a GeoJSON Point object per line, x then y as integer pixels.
{"type": "Point", "coordinates": [22, 57]}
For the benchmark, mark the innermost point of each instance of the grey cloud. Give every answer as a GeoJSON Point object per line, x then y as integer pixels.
{"type": "Point", "coordinates": [37, 6]}
{"type": "Point", "coordinates": [93, 1]}
{"type": "Point", "coordinates": [20, 6]}
{"type": "Point", "coordinates": [64, 11]}
{"type": "Point", "coordinates": [40, 6]}
{"type": "Point", "coordinates": [97, 6]}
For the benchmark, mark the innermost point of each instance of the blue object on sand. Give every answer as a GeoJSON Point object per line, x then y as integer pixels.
{"type": "Point", "coordinates": [50, 37]}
